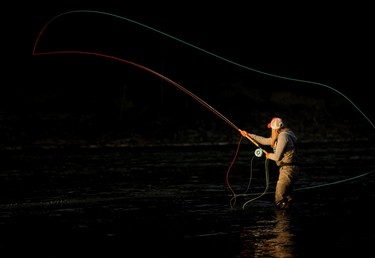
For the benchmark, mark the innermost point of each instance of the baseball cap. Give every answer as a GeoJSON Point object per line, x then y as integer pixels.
{"type": "Point", "coordinates": [276, 123]}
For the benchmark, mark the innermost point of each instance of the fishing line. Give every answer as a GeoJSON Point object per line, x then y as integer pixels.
{"type": "Point", "coordinates": [251, 174]}
{"type": "Point", "coordinates": [317, 186]}
{"type": "Point", "coordinates": [267, 185]}
{"type": "Point", "coordinates": [227, 174]}
{"type": "Point", "coordinates": [205, 104]}
{"type": "Point", "coordinates": [207, 52]}
{"type": "Point", "coordinates": [35, 53]}
{"type": "Point", "coordinates": [233, 200]}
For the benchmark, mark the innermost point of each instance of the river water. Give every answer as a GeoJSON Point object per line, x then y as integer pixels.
{"type": "Point", "coordinates": [175, 201]}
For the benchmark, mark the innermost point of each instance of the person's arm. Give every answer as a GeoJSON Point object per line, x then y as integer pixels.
{"type": "Point", "coordinates": [282, 141]}
{"type": "Point", "coordinates": [259, 139]}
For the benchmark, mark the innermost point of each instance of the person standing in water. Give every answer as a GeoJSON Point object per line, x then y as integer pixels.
{"type": "Point", "coordinates": [283, 142]}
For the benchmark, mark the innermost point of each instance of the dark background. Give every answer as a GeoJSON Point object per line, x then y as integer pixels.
{"type": "Point", "coordinates": [96, 196]}
{"type": "Point", "coordinates": [79, 99]}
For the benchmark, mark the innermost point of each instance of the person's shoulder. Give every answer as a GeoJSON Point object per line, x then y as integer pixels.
{"type": "Point", "coordinates": [285, 132]}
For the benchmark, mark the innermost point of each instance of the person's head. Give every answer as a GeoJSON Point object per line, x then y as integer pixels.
{"type": "Point", "coordinates": [276, 125]}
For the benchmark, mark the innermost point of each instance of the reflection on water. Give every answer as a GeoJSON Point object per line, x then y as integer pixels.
{"type": "Point", "coordinates": [271, 238]}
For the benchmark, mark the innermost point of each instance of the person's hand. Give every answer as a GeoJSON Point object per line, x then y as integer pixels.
{"type": "Point", "coordinates": [267, 154]}
{"type": "Point", "coordinates": [244, 133]}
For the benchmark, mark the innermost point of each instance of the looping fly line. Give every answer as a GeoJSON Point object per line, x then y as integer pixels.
{"type": "Point", "coordinates": [203, 50]}
{"type": "Point", "coordinates": [206, 105]}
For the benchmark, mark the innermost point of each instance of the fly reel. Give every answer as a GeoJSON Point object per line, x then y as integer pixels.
{"type": "Point", "coordinates": [258, 152]}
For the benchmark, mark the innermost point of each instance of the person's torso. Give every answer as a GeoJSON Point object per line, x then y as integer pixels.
{"type": "Point", "coordinates": [289, 156]}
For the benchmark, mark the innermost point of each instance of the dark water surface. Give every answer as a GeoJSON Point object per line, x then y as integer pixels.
{"type": "Point", "coordinates": [174, 201]}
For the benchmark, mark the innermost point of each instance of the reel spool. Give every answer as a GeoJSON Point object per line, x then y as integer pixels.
{"type": "Point", "coordinates": [258, 152]}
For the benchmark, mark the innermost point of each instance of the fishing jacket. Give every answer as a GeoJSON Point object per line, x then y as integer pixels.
{"type": "Point", "coordinates": [285, 149]}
